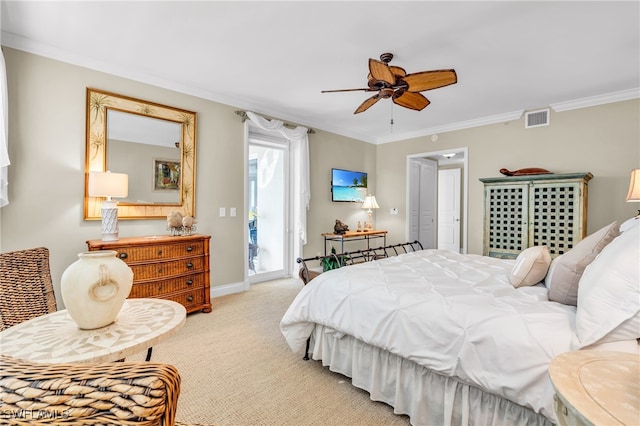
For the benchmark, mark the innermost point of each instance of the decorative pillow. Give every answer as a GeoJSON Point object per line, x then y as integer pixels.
{"type": "Point", "coordinates": [531, 266]}
{"type": "Point", "coordinates": [565, 271]}
{"type": "Point", "coordinates": [609, 294]}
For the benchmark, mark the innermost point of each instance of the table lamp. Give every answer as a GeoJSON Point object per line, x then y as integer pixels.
{"type": "Point", "coordinates": [107, 184]}
{"type": "Point", "coordinates": [634, 188]}
{"type": "Point", "coordinates": [370, 203]}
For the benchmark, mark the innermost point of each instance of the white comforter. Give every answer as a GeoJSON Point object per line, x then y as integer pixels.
{"type": "Point", "coordinates": [454, 314]}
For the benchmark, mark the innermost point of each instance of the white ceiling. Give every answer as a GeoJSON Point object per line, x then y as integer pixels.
{"type": "Point", "coordinates": [274, 58]}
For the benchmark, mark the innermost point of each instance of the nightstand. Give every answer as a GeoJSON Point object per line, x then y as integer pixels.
{"type": "Point", "coordinates": [596, 388]}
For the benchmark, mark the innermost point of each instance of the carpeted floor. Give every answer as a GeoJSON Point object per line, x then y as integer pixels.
{"type": "Point", "coordinates": [237, 369]}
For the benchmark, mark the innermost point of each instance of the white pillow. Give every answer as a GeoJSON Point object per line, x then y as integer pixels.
{"type": "Point", "coordinates": [531, 266]}
{"type": "Point", "coordinates": [609, 294]}
{"type": "Point", "coordinates": [565, 271]}
{"type": "Point", "coordinates": [630, 223]}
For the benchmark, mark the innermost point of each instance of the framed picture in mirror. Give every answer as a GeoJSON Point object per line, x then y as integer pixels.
{"type": "Point", "coordinates": [166, 175]}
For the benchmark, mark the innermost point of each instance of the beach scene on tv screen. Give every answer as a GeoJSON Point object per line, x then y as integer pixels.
{"type": "Point", "coordinates": [348, 185]}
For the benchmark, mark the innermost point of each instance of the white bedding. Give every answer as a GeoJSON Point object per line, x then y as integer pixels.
{"type": "Point", "coordinates": [451, 313]}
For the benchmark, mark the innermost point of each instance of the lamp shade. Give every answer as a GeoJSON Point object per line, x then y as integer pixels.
{"type": "Point", "coordinates": [634, 186]}
{"type": "Point", "coordinates": [370, 203]}
{"type": "Point", "coordinates": [107, 184]}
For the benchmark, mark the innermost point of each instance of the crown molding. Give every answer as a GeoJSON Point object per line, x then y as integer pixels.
{"type": "Point", "coordinates": [623, 95]}
{"type": "Point", "coordinates": [476, 122]}
{"type": "Point", "coordinates": [42, 49]}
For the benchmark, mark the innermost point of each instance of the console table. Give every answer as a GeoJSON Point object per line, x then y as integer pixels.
{"type": "Point", "coordinates": [354, 236]}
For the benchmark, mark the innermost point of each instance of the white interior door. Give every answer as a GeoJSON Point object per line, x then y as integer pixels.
{"type": "Point", "coordinates": [428, 202]}
{"type": "Point", "coordinates": [413, 209]}
{"type": "Point", "coordinates": [423, 178]}
{"type": "Point", "coordinates": [449, 209]}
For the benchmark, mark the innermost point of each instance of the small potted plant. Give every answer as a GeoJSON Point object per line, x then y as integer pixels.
{"type": "Point", "coordinates": [333, 261]}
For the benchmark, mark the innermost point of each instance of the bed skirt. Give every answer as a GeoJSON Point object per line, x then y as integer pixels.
{"type": "Point", "coordinates": [428, 398]}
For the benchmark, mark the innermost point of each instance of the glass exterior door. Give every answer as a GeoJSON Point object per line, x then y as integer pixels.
{"type": "Point", "coordinates": [268, 208]}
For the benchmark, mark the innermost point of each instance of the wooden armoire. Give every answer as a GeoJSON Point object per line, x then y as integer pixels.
{"type": "Point", "coordinates": [531, 210]}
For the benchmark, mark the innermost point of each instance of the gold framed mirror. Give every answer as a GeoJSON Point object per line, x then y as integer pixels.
{"type": "Point", "coordinates": [154, 144]}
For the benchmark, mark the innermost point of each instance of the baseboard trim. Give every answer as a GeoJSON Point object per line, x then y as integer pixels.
{"type": "Point", "coordinates": [226, 289]}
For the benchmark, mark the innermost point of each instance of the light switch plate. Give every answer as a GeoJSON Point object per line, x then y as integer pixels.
{"type": "Point", "coordinates": [394, 211]}
{"type": "Point", "coordinates": [223, 212]}
{"type": "Point", "coordinates": [232, 212]}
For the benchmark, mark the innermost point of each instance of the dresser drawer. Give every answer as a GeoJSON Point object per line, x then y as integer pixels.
{"type": "Point", "coordinates": [173, 285]}
{"type": "Point", "coordinates": [167, 269]}
{"type": "Point", "coordinates": [189, 299]}
{"type": "Point", "coordinates": [160, 251]}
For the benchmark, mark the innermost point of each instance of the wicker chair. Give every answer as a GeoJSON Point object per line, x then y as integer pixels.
{"type": "Point", "coordinates": [124, 393]}
{"type": "Point", "coordinates": [25, 285]}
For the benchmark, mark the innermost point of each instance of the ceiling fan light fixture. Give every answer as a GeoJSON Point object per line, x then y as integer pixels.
{"type": "Point", "coordinates": [404, 89]}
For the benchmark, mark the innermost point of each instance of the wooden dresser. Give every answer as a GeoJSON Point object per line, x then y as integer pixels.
{"type": "Point", "coordinates": [174, 268]}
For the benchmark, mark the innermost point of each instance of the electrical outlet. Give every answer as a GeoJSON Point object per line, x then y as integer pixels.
{"type": "Point", "coordinates": [394, 211]}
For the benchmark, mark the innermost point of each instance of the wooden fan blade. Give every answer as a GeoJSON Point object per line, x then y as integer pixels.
{"type": "Point", "coordinates": [397, 71]}
{"type": "Point", "coordinates": [368, 103]}
{"type": "Point", "coordinates": [411, 100]}
{"type": "Point", "coordinates": [380, 71]}
{"type": "Point", "coordinates": [427, 80]}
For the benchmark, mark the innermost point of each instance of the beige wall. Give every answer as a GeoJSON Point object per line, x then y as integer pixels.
{"type": "Point", "coordinates": [603, 140]}
{"type": "Point", "coordinates": [47, 146]}
{"type": "Point", "coordinates": [327, 151]}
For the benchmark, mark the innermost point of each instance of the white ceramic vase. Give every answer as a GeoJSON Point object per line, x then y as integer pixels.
{"type": "Point", "coordinates": [95, 287]}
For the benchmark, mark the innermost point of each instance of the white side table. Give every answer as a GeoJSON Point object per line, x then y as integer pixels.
{"type": "Point", "coordinates": [56, 338]}
{"type": "Point", "coordinates": [596, 388]}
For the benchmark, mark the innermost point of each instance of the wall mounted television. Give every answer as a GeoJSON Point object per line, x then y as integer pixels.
{"type": "Point", "coordinates": [348, 186]}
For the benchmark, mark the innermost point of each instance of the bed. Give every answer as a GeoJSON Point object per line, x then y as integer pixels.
{"type": "Point", "coordinates": [447, 338]}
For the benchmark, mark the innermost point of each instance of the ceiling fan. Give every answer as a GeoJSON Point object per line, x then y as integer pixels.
{"type": "Point", "coordinates": [403, 89]}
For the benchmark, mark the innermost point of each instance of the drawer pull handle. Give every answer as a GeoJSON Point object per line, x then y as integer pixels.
{"type": "Point", "coordinates": [189, 248]}
{"type": "Point", "coordinates": [189, 298]}
{"type": "Point", "coordinates": [159, 270]}
{"type": "Point", "coordinates": [189, 265]}
{"type": "Point", "coordinates": [123, 255]}
{"type": "Point", "coordinates": [160, 287]}
{"type": "Point", "coordinates": [189, 282]}
{"type": "Point", "coordinates": [159, 252]}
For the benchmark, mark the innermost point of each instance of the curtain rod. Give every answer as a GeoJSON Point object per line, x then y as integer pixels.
{"type": "Point", "coordinates": [243, 115]}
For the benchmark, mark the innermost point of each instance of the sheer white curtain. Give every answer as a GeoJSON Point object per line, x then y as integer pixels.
{"type": "Point", "coordinates": [4, 134]}
{"type": "Point", "coordinates": [301, 193]}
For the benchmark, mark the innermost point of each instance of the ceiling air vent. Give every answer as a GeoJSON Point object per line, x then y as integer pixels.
{"type": "Point", "coordinates": [537, 118]}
